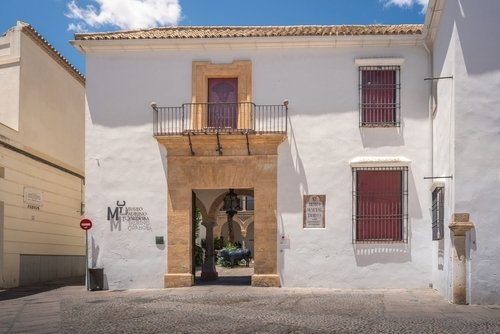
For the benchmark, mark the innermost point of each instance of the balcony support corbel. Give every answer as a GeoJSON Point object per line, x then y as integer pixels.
{"type": "Point", "coordinates": [190, 144]}
{"type": "Point", "coordinates": [219, 148]}
{"type": "Point", "coordinates": [248, 143]}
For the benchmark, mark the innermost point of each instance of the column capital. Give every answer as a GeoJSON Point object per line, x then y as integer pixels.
{"type": "Point", "coordinates": [460, 224]}
{"type": "Point", "coordinates": [208, 224]}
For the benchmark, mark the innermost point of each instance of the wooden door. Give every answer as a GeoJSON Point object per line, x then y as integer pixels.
{"type": "Point", "coordinates": [223, 106]}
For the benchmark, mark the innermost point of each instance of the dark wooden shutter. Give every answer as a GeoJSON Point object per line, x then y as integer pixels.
{"type": "Point", "coordinates": [378, 96]}
{"type": "Point", "coordinates": [379, 205]}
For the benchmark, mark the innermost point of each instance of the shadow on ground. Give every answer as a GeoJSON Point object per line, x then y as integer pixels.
{"type": "Point", "coordinates": [25, 291]}
{"type": "Point", "coordinates": [226, 280]}
{"type": "Point", "coordinates": [228, 276]}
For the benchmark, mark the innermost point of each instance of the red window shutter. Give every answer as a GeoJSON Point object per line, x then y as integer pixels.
{"type": "Point", "coordinates": [378, 96]}
{"type": "Point", "coordinates": [379, 205]}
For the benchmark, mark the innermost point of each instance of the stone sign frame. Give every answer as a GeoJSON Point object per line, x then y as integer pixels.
{"type": "Point", "coordinates": [320, 200]}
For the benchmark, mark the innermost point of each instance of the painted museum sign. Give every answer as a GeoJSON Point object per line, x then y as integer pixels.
{"type": "Point", "coordinates": [314, 211]}
{"type": "Point", "coordinates": [135, 218]}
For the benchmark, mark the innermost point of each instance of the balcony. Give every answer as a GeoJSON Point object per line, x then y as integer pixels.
{"type": "Point", "coordinates": [220, 118]}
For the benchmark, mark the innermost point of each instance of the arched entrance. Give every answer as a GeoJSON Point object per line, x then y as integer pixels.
{"type": "Point", "coordinates": [216, 224]}
{"type": "Point", "coordinates": [207, 170]}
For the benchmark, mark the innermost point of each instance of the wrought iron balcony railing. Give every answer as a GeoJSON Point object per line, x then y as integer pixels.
{"type": "Point", "coordinates": [242, 117]}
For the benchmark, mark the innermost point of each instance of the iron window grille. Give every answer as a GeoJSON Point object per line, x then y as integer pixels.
{"type": "Point", "coordinates": [438, 213]}
{"type": "Point", "coordinates": [379, 96]}
{"type": "Point", "coordinates": [380, 204]}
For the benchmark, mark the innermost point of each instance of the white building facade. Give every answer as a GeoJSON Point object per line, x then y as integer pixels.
{"type": "Point", "coordinates": [330, 130]}
{"type": "Point", "coordinates": [465, 139]}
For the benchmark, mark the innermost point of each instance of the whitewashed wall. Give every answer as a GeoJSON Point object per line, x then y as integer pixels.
{"type": "Point", "coordinates": [125, 163]}
{"type": "Point", "coordinates": [323, 137]}
{"type": "Point", "coordinates": [444, 150]}
{"type": "Point", "coordinates": [462, 50]}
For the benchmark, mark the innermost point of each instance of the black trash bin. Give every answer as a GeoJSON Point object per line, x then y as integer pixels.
{"type": "Point", "coordinates": [96, 278]}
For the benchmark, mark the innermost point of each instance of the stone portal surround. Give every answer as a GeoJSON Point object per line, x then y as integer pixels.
{"type": "Point", "coordinates": [193, 163]}
{"type": "Point", "coordinates": [206, 170]}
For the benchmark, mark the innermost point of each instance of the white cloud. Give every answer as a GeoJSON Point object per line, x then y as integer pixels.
{"type": "Point", "coordinates": [124, 14]}
{"type": "Point", "coordinates": [77, 27]}
{"type": "Point", "coordinates": [407, 3]}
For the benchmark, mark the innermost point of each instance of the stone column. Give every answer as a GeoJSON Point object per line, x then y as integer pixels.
{"type": "Point", "coordinates": [459, 226]}
{"type": "Point", "coordinates": [266, 227]}
{"type": "Point", "coordinates": [208, 271]}
{"type": "Point", "coordinates": [179, 233]}
{"type": "Point", "coordinates": [243, 237]}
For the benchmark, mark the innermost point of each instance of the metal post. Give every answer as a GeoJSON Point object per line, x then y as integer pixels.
{"type": "Point", "coordinates": [87, 259]}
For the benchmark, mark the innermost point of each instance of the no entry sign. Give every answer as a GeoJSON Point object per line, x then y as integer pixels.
{"type": "Point", "coordinates": [86, 224]}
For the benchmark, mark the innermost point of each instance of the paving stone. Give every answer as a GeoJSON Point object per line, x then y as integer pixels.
{"type": "Point", "coordinates": [242, 309]}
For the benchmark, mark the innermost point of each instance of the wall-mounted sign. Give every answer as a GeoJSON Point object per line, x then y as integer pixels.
{"type": "Point", "coordinates": [135, 217]}
{"type": "Point", "coordinates": [86, 224]}
{"type": "Point", "coordinates": [314, 211]}
{"type": "Point", "coordinates": [33, 197]}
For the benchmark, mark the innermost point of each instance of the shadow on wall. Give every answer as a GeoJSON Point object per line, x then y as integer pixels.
{"type": "Point", "coordinates": [414, 206]}
{"type": "Point", "coordinates": [163, 155]}
{"type": "Point", "coordinates": [379, 137]}
{"type": "Point", "coordinates": [95, 254]}
{"type": "Point", "coordinates": [120, 90]}
{"type": "Point", "coordinates": [440, 264]}
{"type": "Point", "coordinates": [480, 53]}
{"type": "Point", "coordinates": [283, 245]}
{"type": "Point", "coordinates": [293, 181]}
{"type": "Point", "coordinates": [368, 254]}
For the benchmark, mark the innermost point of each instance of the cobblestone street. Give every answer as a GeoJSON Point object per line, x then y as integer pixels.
{"type": "Point", "coordinates": [238, 309]}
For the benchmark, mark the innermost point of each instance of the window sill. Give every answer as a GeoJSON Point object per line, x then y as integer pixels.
{"type": "Point", "coordinates": [379, 125]}
{"type": "Point", "coordinates": [379, 162]}
{"type": "Point", "coordinates": [380, 241]}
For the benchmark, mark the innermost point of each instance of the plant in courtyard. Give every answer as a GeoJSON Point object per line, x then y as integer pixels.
{"type": "Point", "coordinates": [218, 243]}
{"type": "Point", "coordinates": [198, 255]}
{"type": "Point", "coordinates": [229, 247]}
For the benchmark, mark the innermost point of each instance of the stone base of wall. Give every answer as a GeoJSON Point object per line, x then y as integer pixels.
{"type": "Point", "coordinates": [42, 268]}
{"type": "Point", "coordinates": [266, 281]}
{"type": "Point", "coordinates": [178, 280]}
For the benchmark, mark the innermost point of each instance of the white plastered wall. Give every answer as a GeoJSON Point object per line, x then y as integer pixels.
{"type": "Point", "coordinates": [124, 162]}
{"type": "Point", "coordinates": [462, 50]}
{"type": "Point", "coordinates": [323, 137]}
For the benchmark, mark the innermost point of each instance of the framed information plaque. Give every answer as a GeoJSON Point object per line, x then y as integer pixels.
{"type": "Point", "coordinates": [314, 211]}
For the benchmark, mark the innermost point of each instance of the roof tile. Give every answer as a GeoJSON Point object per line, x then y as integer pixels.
{"type": "Point", "coordinates": [254, 31]}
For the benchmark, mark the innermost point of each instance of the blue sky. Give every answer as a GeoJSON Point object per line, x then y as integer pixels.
{"type": "Point", "coordinates": [58, 20]}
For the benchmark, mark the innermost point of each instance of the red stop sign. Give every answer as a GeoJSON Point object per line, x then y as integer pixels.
{"type": "Point", "coordinates": [86, 224]}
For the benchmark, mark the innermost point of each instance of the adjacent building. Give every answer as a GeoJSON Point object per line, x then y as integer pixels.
{"type": "Point", "coordinates": [356, 146]}
{"type": "Point", "coordinates": [465, 141]}
{"type": "Point", "coordinates": [42, 99]}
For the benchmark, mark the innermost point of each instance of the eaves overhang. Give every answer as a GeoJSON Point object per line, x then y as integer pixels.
{"type": "Point", "coordinates": [432, 19]}
{"type": "Point", "coordinates": [138, 45]}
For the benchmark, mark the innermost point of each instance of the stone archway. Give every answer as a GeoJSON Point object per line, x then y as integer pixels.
{"type": "Point", "coordinates": [185, 173]}
{"type": "Point", "coordinates": [217, 204]}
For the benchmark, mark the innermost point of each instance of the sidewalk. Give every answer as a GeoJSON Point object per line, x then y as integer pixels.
{"type": "Point", "coordinates": [239, 309]}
